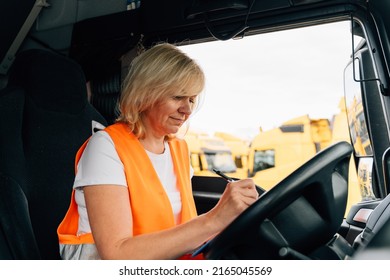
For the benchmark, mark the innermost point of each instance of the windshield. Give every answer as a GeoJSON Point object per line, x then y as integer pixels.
{"type": "Point", "coordinates": [222, 161]}
{"type": "Point", "coordinates": [291, 79]}
{"type": "Point", "coordinates": [264, 160]}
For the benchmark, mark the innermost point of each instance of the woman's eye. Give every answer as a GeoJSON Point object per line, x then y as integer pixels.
{"type": "Point", "coordinates": [180, 97]}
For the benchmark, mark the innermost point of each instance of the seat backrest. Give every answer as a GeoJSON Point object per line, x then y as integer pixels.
{"type": "Point", "coordinates": [41, 131]}
{"type": "Point", "coordinates": [105, 96]}
{"type": "Point", "coordinates": [17, 238]}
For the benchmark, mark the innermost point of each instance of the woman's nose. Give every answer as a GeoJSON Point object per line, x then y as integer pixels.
{"type": "Point", "coordinates": [186, 107]}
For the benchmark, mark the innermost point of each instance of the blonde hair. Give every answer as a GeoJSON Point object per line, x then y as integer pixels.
{"type": "Point", "coordinates": [158, 73]}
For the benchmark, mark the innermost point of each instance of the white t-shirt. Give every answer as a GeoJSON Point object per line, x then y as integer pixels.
{"type": "Point", "coordinates": [100, 164]}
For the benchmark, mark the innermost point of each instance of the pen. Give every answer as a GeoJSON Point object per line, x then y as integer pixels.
{"type": "Point", "coordinates": [227, 178]}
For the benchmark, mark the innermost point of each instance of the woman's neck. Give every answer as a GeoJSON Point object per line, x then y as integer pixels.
{"type": "Point", "coordinates": [153, 145]}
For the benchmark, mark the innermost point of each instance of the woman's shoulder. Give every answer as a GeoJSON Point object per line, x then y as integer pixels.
{"type": "Point", "coordinates": [99, 139]}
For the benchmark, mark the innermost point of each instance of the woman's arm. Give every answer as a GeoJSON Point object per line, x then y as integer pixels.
{"type": "Point", "coordinates": [110, 218]}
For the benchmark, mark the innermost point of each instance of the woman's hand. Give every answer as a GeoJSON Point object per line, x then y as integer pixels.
{"type": "Point", "coordinates": [237, 197]}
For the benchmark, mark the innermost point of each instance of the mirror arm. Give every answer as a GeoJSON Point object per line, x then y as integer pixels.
{"type": "Point", "coordinates": [384, 91]}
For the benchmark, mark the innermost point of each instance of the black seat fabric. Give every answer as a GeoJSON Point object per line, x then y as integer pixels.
{"type": "Point", "coordinates": [16, 235]}
{"type": "Point", "coordinates": [105, 95]}
{"type": "Point", "coordinates": [375, 222]}
{"type": "Point", "coordinates": [44, 119]}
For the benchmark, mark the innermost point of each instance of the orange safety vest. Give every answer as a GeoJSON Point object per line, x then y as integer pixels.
{"type": "Point", "coordinates": [150, 205]}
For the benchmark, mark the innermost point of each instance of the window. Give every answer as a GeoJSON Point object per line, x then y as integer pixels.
{"type": "Point", "coordinates": [270, 90]}
{"type": "Point", "coordinates": [222, 161]}
{"type": "Point", "coordinates": [356, 117]}
{"type": "Point", "coordinates": [264, 160]}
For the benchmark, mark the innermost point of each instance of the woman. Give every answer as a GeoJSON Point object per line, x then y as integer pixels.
{"type": "Point", "coordinates": [132, 195]}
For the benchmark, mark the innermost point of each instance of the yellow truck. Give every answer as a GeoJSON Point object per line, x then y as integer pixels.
{"type": "Point", "coordinates": [275, 153]}
{"type": "Point", "coordinates": [208, 152]}
{"type": "Point", "coordinates": [240, 150]}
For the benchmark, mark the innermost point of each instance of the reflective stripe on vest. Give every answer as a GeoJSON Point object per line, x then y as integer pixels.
{"type": "Point", "coordinates": [150, 205]}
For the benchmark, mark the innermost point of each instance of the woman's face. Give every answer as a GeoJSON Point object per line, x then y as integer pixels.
{"type": "Point", "coordinates": [168, 116]}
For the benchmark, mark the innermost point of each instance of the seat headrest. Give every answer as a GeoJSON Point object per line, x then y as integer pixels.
{"type": "Point", "coordinates": [54, 82]}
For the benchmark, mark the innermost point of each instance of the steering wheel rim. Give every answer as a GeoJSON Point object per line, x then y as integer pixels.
{"type": "Point", "coordinates": [320, 185]}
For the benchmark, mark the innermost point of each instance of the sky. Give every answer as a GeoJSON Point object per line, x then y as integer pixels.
{"type": "Point", "coordinates": [287, 74]}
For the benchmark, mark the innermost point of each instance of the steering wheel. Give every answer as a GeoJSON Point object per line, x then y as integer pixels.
{"type": "Point", "coordinates": [296, 219]}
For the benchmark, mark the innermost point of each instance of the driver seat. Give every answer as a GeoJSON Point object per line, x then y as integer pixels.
{"type": "Point", "coordinates": [44, 118]}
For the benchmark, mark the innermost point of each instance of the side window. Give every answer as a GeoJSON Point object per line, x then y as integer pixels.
{"type": "Point", "coordinates": [238, 161]}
